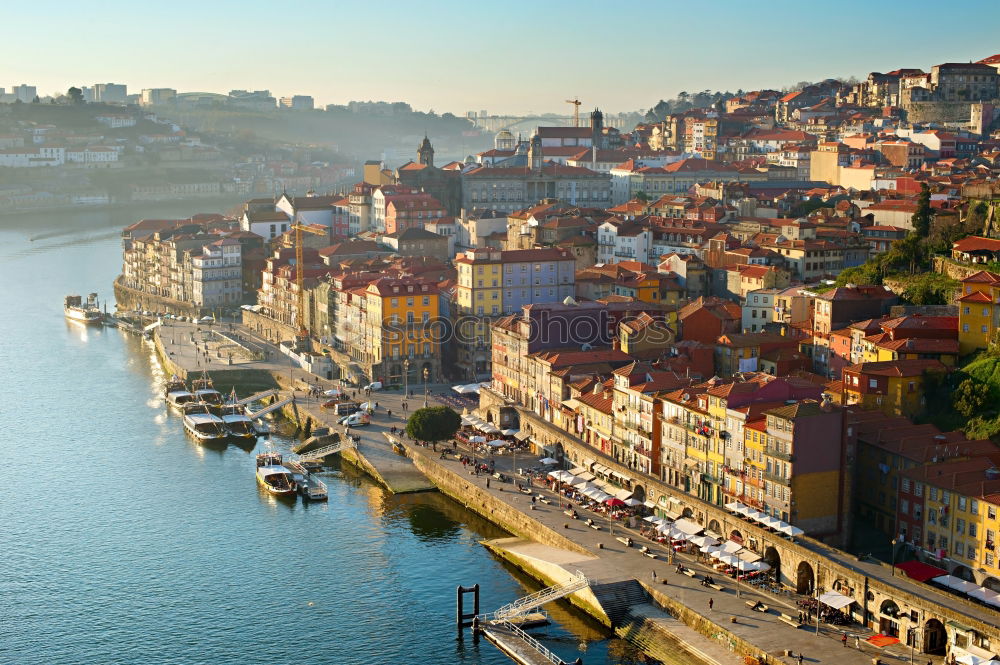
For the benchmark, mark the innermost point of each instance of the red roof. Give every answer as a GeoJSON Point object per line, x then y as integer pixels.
{"type": "Point", "coordinates": [976, 243]}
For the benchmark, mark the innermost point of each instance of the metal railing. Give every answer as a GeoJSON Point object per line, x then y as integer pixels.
{"type": "Point", "coordinates": [523, 605]}
{"type": "Point", "coordinates": [533, 643]}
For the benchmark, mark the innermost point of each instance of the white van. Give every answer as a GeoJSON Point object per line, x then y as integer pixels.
{"type": "Point", "coordinates": [358, 419]}
{"type": "Point", "coordinates": [374, 385]}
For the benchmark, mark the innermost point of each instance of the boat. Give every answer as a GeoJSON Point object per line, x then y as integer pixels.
{"type": "Point", "coordinates": [309, 487]}
{"type": "Point", "coordinates": [202, 424]}
{"type": "Point", "coordinates": [237, 423]}
{"type": "Point", "coordinates": [204, 391]}
{"type": "Point", "coordinates": [177, 394]}
{"type": "Point", "coordinates": [174, 384]}
{"type": "Point", "coordinates": [273, 476]}
{"type": "Point", "coordinates": [89, 312]}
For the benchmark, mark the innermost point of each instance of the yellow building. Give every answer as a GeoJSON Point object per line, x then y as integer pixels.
{"type": "Point", "coordinates": [916, 348]}
{"type": "Point", "coordinates": [978, 311]}
{"type": "Point", "coordinates": [478, 299]}
{"type": "Point", "coordinates": [402, 324]}
{"type": "Point", "coordinates": [949, 510]}
{"type": "Point", "coordinates": [894, 387]}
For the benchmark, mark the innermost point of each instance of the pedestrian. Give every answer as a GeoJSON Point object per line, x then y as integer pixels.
{"type": "Point", "coordinates": [376, 405]}
{"type": "Point", "coordinates": [843, 640]}
{"type": "Point", "coordinates": [654, 576]}
{"type": "Point", "coordinates": [389, 413]}
{"type": "Point", "coordinates": [857, 644]}
{"type": "Point", "coordinates": [711, 603]}
{"type": "Point", "coordinates": [532, 498]}
{"type": "Point", "coordinates": [487, 483]}
{"type": "Point", "coordinates": [800, 658]}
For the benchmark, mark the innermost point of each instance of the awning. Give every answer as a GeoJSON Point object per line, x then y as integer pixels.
{"type": "Point", "coordinates": [688, 527]}
{"type": "Point", "coordinates": [587, 462]}
{"type": "Point", "coordinates": [955, 583]}
{"type": "Point", "coordinates": [624, 494]}
{"type": "Point", "coordinates": [731, 547]}
{"type": "Point", "coordinates": [586, 475]}
{"type": "Point", "coordinates": [521, 435]}
{"type": "Point", "coordinates": [837, 601]}
{"type": "Point", "coordinates": [881, 641]}
{"type": "Point", "coordinates": [600, 468]}
{"type": "Point", "coordinates": [649, 504]}
{"type": "Point", "coordinates": [576, 471]}
{"type": "Point", "coordinates": [920, 571]}
{"type": "Point", "coordinates": [748, 556]}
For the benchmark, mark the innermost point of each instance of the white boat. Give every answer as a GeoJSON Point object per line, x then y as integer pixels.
{"type": "Point", "coordinates": [89, 312]}
{"type": "Point", "coordinates": [178, 398]}
{"type": "Point", "coordinates": [205, 392]}
{"type": "Point", "coordinates": [273, 476]}
{"type": "Point", "coordinates": [203, 425]}
{"type": "Point", "coordinates": [237, 423]}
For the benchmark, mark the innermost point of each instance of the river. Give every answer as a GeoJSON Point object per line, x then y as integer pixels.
{"type": "Point", "coordinates": [123, 541]}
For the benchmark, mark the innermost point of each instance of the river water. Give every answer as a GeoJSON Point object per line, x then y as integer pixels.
{"type": "Point", "coordinates": [123, 541]}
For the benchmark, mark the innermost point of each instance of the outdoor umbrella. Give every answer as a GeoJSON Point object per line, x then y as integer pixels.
{"type": "Point", "coordinates": [509, 432]}
{"type": "Point", "coordinates": [548, 460]}
{"type": "Point", "coordinates": [632, 503]}
{"type": "Point", "coordinates": [704, 541]}
{"type": "Point", "coordinates": [614, 502]}
{"type": "Point", "coordinates": [477, 439]}
{"type": "Point", "coordinates": [790, 530]}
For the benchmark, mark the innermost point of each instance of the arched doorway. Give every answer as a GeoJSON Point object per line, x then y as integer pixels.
{"type": "Point", "coordinates": [935, 637]}
{"type": "Point", "coordinates": [736, 536]}
{"type": "Point", "coordinates": [773, 559]}
{"type": "Point", "coordinates": [560, 452]}
{"type": "Point", "coordinates": [638, 493]}
{"type": "Point", "coordinates": [964, 573]}
{"type": "Point", "coordinates": [805, 579]}
{"type": "Point", "coordinates": [992, 583]}
{"type": "Point", "coordinates": [714, 526]}
{"type": "Point", "coordinates": [888, 615]}
{"type": "Point", "coordinates": [687, 514]}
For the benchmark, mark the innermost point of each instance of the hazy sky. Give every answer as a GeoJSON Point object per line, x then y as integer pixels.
{"type": "Point", "coordinates": [510, 56]}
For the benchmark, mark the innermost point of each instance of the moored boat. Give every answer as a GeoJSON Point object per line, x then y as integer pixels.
{"type": "Point", "coordinates": [89, 312]}
{"type": "Point", "coordinates": [273, 476]}
{"type": "Point", "coordinates": [202, 424]}
{"type": "Point", "coordinates": [204, 391]}
{"type": "Point", "coordinates": [237, 423]}
{"type": "Point", "coordinates": [174, 384]}
{"type": "Point", "coordinates": [179, 398]}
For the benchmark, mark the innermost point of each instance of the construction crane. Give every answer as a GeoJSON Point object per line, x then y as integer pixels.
{"type": "Point", "coordinates": [303, 334]}
{"type": "Point", "coordinates": [576, 110]}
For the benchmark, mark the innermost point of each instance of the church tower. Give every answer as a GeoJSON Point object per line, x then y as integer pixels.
{"type": "Point", "coordinates": [425, 153]}
{"type": "Point", "coordinates": [535, 153]}
{"type": "Point", "coordinates": [597, 128]}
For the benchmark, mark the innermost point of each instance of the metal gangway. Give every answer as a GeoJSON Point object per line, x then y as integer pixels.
{"type": "Point", "coordinates": [256, 397]}
{"type": "Point", "coordinates": [524, 605]}
{"type": "Point", "coordinates": [519, 645]}
{"type": "Point", "coordinates": [254, 415]}
{"type": "Point", "coordinates": [318, 454]}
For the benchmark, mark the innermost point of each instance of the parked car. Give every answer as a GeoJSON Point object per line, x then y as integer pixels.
{"type": "Point", "coordinates": [374, 385]}
{"type": "Point", "coordinates": [355, 420]}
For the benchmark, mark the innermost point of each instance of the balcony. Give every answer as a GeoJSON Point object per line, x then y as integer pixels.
{"type": "Point", "coordinates": [780, 455]}
{"type": "Point", "coordinates": [774, 478]}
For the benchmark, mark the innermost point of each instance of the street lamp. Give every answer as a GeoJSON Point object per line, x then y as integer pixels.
{"type": "Point", "coordinates": [893, 567]}
{"type": "Point", "coordinates": [426, 373]}
{"type": "Point", "coordinates": [406, 378]}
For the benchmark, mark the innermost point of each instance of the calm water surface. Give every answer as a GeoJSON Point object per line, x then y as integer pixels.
{"type": "Point", "coordinates": [123, 541]}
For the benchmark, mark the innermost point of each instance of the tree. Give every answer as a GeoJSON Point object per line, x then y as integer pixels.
{"type": "Point", "coordinates": [434, 423]}
{"type": "Point", "coordinates": [75, 95]}
{"type": "Point", "coordinates": [642, 196]}
{"type": "Point", "coordinates": [922, 217]}
{"type": "Point", "coordinates": [970, 397]}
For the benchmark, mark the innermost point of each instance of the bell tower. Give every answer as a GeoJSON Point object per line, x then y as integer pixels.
{"type": "Point", "coordinates": [425, 152]}
{"type": "Point", "coordinates": [535, 159]}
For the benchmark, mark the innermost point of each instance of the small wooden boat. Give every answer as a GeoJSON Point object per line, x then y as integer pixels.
{"type": "Point", "coordinates": [273, 476]}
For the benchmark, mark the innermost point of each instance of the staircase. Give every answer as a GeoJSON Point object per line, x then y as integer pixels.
{"type": "Point", "coordinates": [618, 598]}
{"type": "Point", "coordinates": [640, 627]}
{"type": "Point", "coordinates": [318, 454]}
{"type": "Point", "coordinates": [522, 606]}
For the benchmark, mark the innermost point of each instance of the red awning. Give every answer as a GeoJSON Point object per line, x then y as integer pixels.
{"type": "Point", "coordinates": [882, 640]}
{"type": "Point", "coordinates": [920, 571]}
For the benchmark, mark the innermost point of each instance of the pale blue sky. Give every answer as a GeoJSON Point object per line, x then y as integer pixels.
{"type": "Point", "coordinates": [450, 55]}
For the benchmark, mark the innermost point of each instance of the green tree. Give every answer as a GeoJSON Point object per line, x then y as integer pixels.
{"type": "Point", "coordinates": [75, 95]}
{"type": "Point", "coordinates": [970, 397]}
{"type": "Point", "coordinates": [642, 196]}
{"type": "Point", "coordinates": [434, 423]}
{"type": "Point", "coordinates": [922, 217]}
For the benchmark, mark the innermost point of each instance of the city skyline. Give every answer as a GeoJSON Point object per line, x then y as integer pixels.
{"type": "Point", "coordinates": [457, 59]}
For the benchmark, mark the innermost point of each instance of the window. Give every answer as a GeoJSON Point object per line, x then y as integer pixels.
{"type": "Point", "coordinates": [973, 528]}
{"type": "Point", "coordinates": [394, 302]}
{"type": "Point", "coordinates": [983, 329]}
{"type": "Point", "coordinates": [962, 503]}
{"type": "Point", "coordinates": [427, 300]}
{"type": "Point", "coordinates": [872, 383]}
{"type": "Point", "coordinates": [904, 507]}
{"type": "Point", "coordinates": [918, 489]}
{"type": "Point", "coordinates": [990, 560]}
{"type": "Point", "coordinates": [974, 507]}
{"type": "Point", "coordinates": [960, 526]}
{"type": "Point", "coordinates": [409, 302]}
{"type": "Point", "coordinates": [991, 512]}
{"type": "Point", "coordinates": [965, 327]}
{"type": "Point", "coordinates": [906, 484]}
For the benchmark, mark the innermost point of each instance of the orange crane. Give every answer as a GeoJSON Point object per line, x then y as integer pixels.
{"type": "Point", "coordinates": [300, 275]}
{"type": "Point", "coordinates": [576, 110]}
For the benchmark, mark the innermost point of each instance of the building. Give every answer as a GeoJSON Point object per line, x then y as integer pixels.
{"type": "Point", "coordinates": [511, 188]}
{"type": "Point", "coordinates": [411, 211]}
{"type": "Point", "coordinates": [157, 96]}
{"type": "Point", "coordinates": [895, 387]}
{"type": "Point", "coordinates": [110, 93]}
{"type": "Point", "coordinates": [493, 283]}
{"type": "Point", "coordinates": [837, 308]}
{"type": "Point", "coordinates": [297, 103]}
{"type": "Point", "coordinates": [978, 311]}
{"type": "Point", "coordinates": [444, 184]}
{"type": "Point", "coordinates": [759, 309]}
{"type": "Point", "coordinates": [217, 275]}
{"type": "Point", "coordinates": [706, 319]}
{"type": "Point", "coordinates": [415, 241]}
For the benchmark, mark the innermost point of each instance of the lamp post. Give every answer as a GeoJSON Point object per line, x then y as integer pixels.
{"type": "Point", "coordinates": [406, 377]}
{"type": "Point", "coordinates": [893, 566]}
{"type": "Point", "coordinates": [426, 373]}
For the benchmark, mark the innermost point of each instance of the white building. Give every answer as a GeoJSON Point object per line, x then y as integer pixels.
{"type": "Point", "coordinates": [116, 120]}
{"type": "Point", "coordinates": [94, 155]}
{"type": "Point", "coordinates": [268, 224]}
{"type": "Point", "coordinates": [622, 241]}
{"type": "Point", "coordinates": [21, 158]}
{"type": "Point", "coordinates": [110, 93]}
{"type": "Point", "coordinates": [24, 93]}
{"type": "Point", "coordinates": [157, 96]}
{"type": "Point", "coordinates": [758, 309]}
{"type": "Point", "coordinates": [297, 103]}
{"type": "Point", "coordinates": [217, 274]}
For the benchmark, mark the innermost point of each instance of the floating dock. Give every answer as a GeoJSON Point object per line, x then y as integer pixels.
{"type": "Point", "coordinates": [519, 646]}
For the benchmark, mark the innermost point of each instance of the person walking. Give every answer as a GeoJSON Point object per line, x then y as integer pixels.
{"type": "Point", "coordinates": [487, 483]}
{"type": "Point", "coordinates": [654, 577]}
{"type": "Point", "coordinates": [711, 604]}
{"type": "Point", "coordinates": [843, 640]}
{"type": "Point", "coordinates": [800, 658]}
